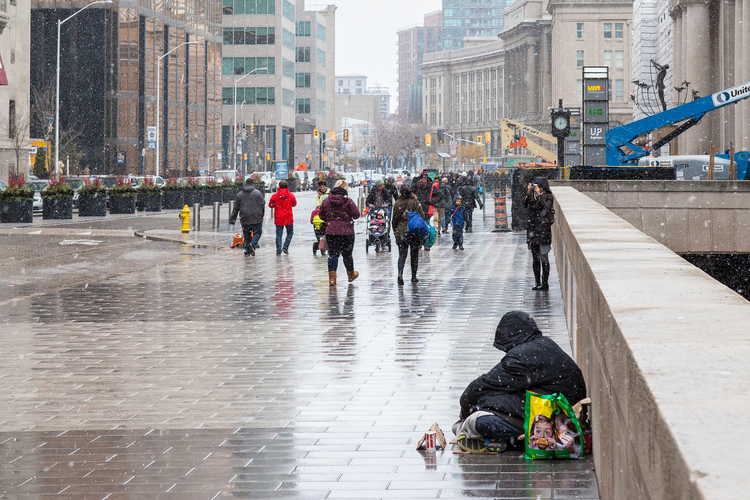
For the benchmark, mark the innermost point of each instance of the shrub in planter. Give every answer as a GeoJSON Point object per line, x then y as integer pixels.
{"type": "Point", "coordinates": [92, 199]}
{"type": "Point", "coordinates": [17, 201]}
{"type": "Point", "coordinates": [229, 190]}
{"type": "Point", "coordinates": [292, 183]}
{"type": "Point", "coordinates": [193, 192]}
{"type": "Point", "coordinates": [149, 196]}
{"type": "Point", "coordinates": [57, 200]}
{"type": "Point", "coordinates": [259, 184]}
{"type": "Point", "coordinates": [122, 197]}
{"type": "Point", "coordinates": [211, 192]}
{"type": "Point", "coordinates": [172, 195]}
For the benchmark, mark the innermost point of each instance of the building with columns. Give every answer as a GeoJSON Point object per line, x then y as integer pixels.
{"type": "Point", "coordinates": [463, 89]}
{"type": "Point", "coordinates": [711, 52]}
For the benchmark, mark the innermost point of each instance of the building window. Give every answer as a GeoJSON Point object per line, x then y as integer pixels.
{"type": "Point", "coordinates": [303, 28]}
{"type": "Point", "coordinates": [321, 57]}
{"type": "Point", "coordinates": [249, 95]}
{"type": "Point", "coordinates": [579, 31]}
{"type": "Point", "coordinates": [249, 36]}
{"type": "Point", "coordinates": [619, 58]}
{"type": "Point", "coordinates": [321, 32]}
{"type": "Point", "coordinates": [230, 7]}
{"type": "Point", "coordinates": [619, 90]}
{"type": "Point", "coordinates": [288, 9]}
{"type": "Point", "coordinates": [303, 80]}
{"type": "Point", "coordinates": [287, 39]}
{"type": "Point", "coordinates": [321, 108]}
{"type": "Point", "coordinates": [321, 82]}
{"type": "Point", "coordinates": [303, 54]}
{"type": "Point", "coordinates": [287, 68]}
{"type": "Point", "coordinates": [287, 98]}
{"type": "Point", "coordinates": [12, 119]}
{"type": "Point", "coordinates": [579, 58]}
{"type": "Point", "coordinates": [303, 106]}
{"type": "Point", "coordinates": [358, 91]}
{"type": "Point", "coordinates": [607, 30]}
{"type": "Point", "coordinates": [341, 83]}
{"type": "Point", "coordinates": [608, 58]}
{"type": "Point", "coordinates": [618, 30]}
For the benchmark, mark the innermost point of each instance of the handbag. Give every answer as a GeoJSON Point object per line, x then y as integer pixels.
{"type": "Point", "coordinates": [323, 244]}
{"type": "Point", "coordinates": [431, 208]}
{"type": "Point", "coordinates": [416, 224]}
{"type": "Point", "coordinates": [429, 240]}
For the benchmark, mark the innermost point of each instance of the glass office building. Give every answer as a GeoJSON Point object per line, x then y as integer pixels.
{"type": "Point", "coordinates": [470, 18]}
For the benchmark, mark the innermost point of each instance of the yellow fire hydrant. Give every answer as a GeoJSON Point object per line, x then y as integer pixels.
{"type": "Point", "coordinates": [185, 216]}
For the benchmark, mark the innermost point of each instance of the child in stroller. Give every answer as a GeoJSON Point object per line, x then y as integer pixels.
{"type": "Point", "coordinates": [378, 229]}
{"type": "Point", "coordinates": [320, 229]}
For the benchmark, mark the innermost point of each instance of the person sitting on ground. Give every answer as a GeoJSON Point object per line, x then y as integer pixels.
{"type": "Point", "coordinates": [492, 406]}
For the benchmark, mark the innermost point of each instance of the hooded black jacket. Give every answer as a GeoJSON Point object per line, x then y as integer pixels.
{"type": "Point", "coordinates": [250, 204]}
{"type": "Point", "coordinates": [532, 362]}
{"type": "Point", "coordinates": [541, 214]}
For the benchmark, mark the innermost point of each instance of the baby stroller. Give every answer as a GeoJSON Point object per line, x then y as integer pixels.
{"type": "Point", "coordinates": [320, 230]}
{"type": "Point", "coordinates": [378, 229]}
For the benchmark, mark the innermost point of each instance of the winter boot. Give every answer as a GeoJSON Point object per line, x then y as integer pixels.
{"type": "Point", "coordinates": [545, 276]}
{"type": "Point", "coordinates": [353, 275]}
{"type": "Point", "coordinates": [536, 266]}
{"type": "Point", "coordinates": [315, 248]}
{"type": "Point", "coordinates": [332, 278]}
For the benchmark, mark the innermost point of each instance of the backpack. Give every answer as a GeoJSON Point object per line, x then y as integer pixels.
{"type": "Point", "coordinates": [416, 224]}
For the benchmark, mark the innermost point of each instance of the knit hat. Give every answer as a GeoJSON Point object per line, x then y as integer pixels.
{"type": "Point", "coordinates": [379, 182]}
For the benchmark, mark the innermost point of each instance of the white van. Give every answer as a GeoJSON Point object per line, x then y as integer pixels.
{"type": "Point", "coordinates": [220, 175]}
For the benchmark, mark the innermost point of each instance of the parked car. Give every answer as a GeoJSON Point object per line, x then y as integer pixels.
{"type": "Point", "coordinates": [76, 183]}
{"type": "Point", "coordinates": [350, 179]}
{"type": "Point", "coordinates": [269, 179]}
{"type": "Point", "coordinates": [38, 186]}
{"type": "Point", "coordinates": [156, 179]}
{"type": "Point", "coordinates": [220, 175]}
{"type": "Point", "coordinates": [2, 186]}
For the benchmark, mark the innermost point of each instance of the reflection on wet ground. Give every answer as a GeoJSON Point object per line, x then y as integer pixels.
{"type": "Point", "coordinates": [216, 376]}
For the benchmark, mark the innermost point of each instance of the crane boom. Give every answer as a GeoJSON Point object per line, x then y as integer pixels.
{"type": "Point", "coordinates": [507, 135]}
{"type": "Point", "coordinates": [622, 137]}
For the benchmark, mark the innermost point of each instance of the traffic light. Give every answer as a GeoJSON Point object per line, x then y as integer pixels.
{"type": "Point", "coordinates": [268, 156]}
{"type": "Point", "coordinates": [479, 140]}
{"type": "Point", "coordinates": [346, 135]}
{"type": "Point", "coordinates": [488, 137]}
{"type": "Point", "coordinates": [441, 136]}
{"type": "Point", "coordinates": [324, 157]}
{"type": "Point", "coordinates": [252, 128]}
{"type": "Point", "coordinates": [333, 135]}
{"type": "Point", "coordinates": [428, 140]}
{"type": "Point", "coordinates": [316, 134]}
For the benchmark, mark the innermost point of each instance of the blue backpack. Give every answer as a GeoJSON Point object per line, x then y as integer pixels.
{"type": "Point", "coordinates": [416, 225]}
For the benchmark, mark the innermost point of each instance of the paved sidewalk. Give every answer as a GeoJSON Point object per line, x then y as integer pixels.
{"type": "Point", "coordinates": [214, 375]}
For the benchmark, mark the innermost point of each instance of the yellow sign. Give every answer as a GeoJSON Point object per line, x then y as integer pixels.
{"type": "Point", "coordinates": [37, 145]}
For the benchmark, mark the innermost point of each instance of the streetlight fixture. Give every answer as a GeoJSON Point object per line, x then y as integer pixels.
{"type": "Point", "coordinates": [158, 99]}
{"type": "Point", "coordinates": [234, 135]}
{"type": "Point", "coordinates": [242, 139]}
{"type": "Point", "coordinates": [57, 89]}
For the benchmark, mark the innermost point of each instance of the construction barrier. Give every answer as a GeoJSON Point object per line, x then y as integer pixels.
{"type": "Point", "coordinates": [501, 213]}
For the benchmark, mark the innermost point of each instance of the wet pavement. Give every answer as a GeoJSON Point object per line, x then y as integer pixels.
{"type": "Point", "coordinates": [198, 373]}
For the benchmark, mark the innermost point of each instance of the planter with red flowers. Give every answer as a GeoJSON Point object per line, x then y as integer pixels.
{"type": "Point", "coordinates": [92, 199]}
{"type": "Point", "coordinates": [173, 195]}
{"type": "Point", "coordinates": [193, 192]}
{"type": "Point", "coordinates": [122, 197]}
{"type": "Point", "coordinates": [57, 200]}
{"type": "Point", "coordinates": [17, 202]}
{"type": "Point", "coordinates": [149, 196]}
{"type": "Point", "coordinates": [211, 192]}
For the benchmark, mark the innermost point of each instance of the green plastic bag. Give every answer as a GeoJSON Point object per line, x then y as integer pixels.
{"type": "Point", "coordinates": [551, 427]}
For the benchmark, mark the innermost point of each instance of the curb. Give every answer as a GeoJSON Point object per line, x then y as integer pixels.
{"type": "Point", "coordinates": [185, 243]}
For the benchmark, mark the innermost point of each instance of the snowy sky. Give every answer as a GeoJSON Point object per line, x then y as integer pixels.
{"type": "Point", "coordinates": [366, 36]}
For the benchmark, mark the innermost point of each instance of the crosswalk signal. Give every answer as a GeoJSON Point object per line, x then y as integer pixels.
{"type": "Point", "coordinates": [441, 136]}
{"type": "Point", "coordinates": [333, 135]}
{"type": "Point", "coordinates": [488, 137]}
{"type": "Point", "coordinates": [346, 135]}
{"type": "Point", "coordinates": [479, 140]}
{"type": "Point", "coordinates": [316, 134]}
{"type": "Point", "coordinates": [428, 140]}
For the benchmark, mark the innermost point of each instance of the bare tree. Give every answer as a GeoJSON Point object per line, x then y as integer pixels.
{"type": "Point", "coordinates": [18, 131]}
{"type": "Point", "coordinates": [397, 139]}
{"type": "Point", "coordinates": [43, 109]}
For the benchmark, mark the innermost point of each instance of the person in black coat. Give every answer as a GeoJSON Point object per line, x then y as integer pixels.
{"type": "Point", "coordinates": [471, 199]}
{"type": "Point", "coordinates": [532, 362]}
{"type": "Point", "coordinates": [541, 206]}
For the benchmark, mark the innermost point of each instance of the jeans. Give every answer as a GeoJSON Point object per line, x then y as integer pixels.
{"type": "Point", "coordinates": [251, 233]}
{"type": "Point", "coordinates": [469, 212]}
{"type": "Point", "coordinates": [438, 221]}
{"type": "Point", "coordinates": [458, 235]}
{"type": "Point", "coordinates": [447, 217]}
{"type": "Point", "coordinates": [340, 244]}
{"type": "Point", "coordinates": [498, 429]}
{"type": "Point", "coordinates": [280, 233]}
{"type": "Point", "coordinates": [540, 263]}
{"type": "Point", "coordinates": [406, 243]}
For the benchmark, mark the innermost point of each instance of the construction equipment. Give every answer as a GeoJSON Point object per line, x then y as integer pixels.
{"type": "Point", "coordinates": [620, 139]}
{"type": "Point", "coordinates": [514, 134]}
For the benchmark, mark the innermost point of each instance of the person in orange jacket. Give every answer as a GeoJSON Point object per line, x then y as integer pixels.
{"type": "Point", "coordinates": [282, 202]}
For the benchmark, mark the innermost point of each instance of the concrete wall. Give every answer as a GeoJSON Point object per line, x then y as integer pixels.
{"type": "Point", "coordinates": [664, 349]}
{"type": "Point", "coordinates": [686, 216]}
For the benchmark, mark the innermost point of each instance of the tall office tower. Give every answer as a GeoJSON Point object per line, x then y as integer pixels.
{"type": "Point", "coordinates": [108, 87]}
{"type": "Point", "coordinates": [413, 43]}
{"type": "Point", "coordinates": [471, 18]}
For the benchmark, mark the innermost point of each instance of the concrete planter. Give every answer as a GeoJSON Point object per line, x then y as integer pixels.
{"type": "Point", "coordinates": [211, 196]}
{"type": "Point", "coordinates": [92, 206]}
{"type": "Point", "coordinates": [121, 205]}
{"type": "Point", "coordinates": [228, 194]}
{"type": "Point", "coordinates": [17, 211]}
{"type": "Point", "coordinates": [173, 200]}
{"type": "Point", "coordinates": [192, 197]}
{"type": "Point", "coordinates": [150, 202]}
{"type": "Point", "coordinates": [57, 208]}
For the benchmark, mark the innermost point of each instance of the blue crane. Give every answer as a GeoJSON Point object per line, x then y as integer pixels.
{"type": "Point", "coordinates": [622, 137]}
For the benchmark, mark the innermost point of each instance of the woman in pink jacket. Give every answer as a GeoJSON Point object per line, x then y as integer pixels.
{"type": "Point", "coordinates": [282, 202]}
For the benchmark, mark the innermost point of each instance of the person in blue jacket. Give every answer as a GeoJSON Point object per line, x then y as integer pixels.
{"type": "Point", "coordinates": [457, 219]}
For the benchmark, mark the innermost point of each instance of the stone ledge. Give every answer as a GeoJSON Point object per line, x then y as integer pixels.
{"type": "Point", "coordinates": [662, 346]}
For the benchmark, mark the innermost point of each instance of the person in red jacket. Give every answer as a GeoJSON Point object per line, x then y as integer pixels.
{"type": "Point", "coordinates": [282, 202]}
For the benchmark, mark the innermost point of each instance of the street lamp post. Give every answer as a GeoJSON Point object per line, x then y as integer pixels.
{"type": "Point", "coordinates": [158, 100]}
{"type": "Point", "coordinates": [57, 89]}
{"type": "Point", "coordinates": [243, 142]}
{"type": "Point", "coordinates": [234, 135]}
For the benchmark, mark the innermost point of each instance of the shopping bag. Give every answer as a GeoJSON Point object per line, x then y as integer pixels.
{"type": "Point", "coordinates": [416, 225]}
{"type": "Point", "coordinates": [552, 429]}
{"type": "Point", "coordinates": [429, 240]}
{"type": "Point", "coordinates": [237, 241]}
{"type": "Point", "coordinates": [430, 210]}
{"type": "Point", "coordinates": [323, 244]}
